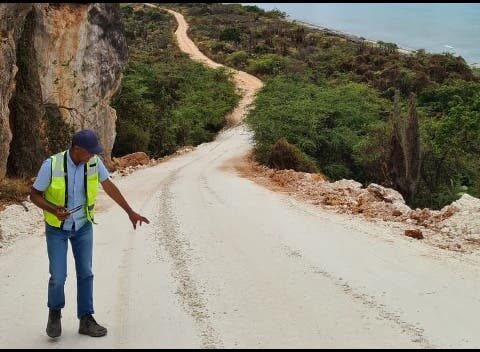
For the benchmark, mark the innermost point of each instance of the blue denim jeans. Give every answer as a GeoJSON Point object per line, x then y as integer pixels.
{"type": "Point", "coordinates": [57, 245]}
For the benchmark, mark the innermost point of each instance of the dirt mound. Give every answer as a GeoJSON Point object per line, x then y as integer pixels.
{"type": "Point", "coordinates": [128, 163]}
{"type": "Point", "coordinates": [131, 160]}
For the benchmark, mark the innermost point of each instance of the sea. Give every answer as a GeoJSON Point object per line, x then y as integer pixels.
{"type": "Point", "coordinates": [436, 27]}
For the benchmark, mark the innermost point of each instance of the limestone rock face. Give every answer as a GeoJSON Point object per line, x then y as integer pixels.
{"type": "Point", "coordinates": [77, 55]}
{"type": "Point", "coordinates": [12, 19]}
{"type": "Point", "coordinates": [83, 50]}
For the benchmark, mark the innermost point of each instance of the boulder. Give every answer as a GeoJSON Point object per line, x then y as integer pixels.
{"type": "Point", "coordinates": [415, 233]}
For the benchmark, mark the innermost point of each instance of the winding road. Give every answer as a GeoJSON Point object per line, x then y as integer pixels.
{"type": "Point", "coordinates": [226, 263]}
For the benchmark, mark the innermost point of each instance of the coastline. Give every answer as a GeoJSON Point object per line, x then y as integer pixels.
{"type": "Point", "coordinates": [346, 35]}
{"type": "Point", "coordinates": [358, 39]}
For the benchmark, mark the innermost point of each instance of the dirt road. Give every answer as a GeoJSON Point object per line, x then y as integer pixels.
{"type": "Point", "coordinates": [225, 263]}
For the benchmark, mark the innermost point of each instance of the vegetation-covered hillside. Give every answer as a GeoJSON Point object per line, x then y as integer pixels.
{"type": "Point", "coordinates": [329, 100]}
{"type": "Point", "coordinates": [166, 100]}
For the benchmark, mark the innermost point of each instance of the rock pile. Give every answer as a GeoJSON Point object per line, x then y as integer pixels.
{"type": "Point", "coordinates": [128, 163]}
{"type": "Point", "coordinates": [455, 226]}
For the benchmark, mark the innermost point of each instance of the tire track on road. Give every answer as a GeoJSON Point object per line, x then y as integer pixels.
{"type": "Point", "coordinates": [415, 332]}
{"type": "Point", "coordinates": [178, 247]}
{"type": "Point", "coordinates": [123, 282]}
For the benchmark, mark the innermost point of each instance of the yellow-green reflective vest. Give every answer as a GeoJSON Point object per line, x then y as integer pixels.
{"type": "Point", "coordinates": [56, 193]}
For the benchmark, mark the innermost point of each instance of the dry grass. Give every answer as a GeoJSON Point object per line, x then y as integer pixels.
{"type": "Point", "coordinates": [14, 191]}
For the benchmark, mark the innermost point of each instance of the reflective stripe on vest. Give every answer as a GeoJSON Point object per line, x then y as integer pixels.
{"type": "Point", "coordinates": [91, 190]}
{"type": "Point", "coordinates": [56, 192]}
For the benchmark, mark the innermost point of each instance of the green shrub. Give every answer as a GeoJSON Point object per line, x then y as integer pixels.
{"type": "Point", "coordinates": [232, 34]}
{"type": "Point", "coordinates": [268, 64]}
{"type": "Point", "coordinates": [166, 100]}
{"type": "Point", "coordinates": [327, 123]}
{"type": "Point", "coordinates": [284, 155]}
{"type": "Point", "coordinates": [451, 138]}
{"type": "Point", "coordinates": [237, 59]}
{"type": "Point", "coordinates": [253, 8]}
{"type": "Point", "coordinates": [338, 171]}
{"type": "Point", "coordinates": [130, 138]}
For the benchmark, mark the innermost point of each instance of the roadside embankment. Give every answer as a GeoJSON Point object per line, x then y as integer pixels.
{"type": "Point", "coordinates": [455, 227]}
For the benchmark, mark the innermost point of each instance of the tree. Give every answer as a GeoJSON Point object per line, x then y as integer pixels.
{"type": "Point", "coordinates": [396, 164]}
{"type": "Point", "coordinates": [232, 34]}
{"type": "Point", "coordinates": [412, 148]}
{"type": "Point", "coordinates": [406, 155]}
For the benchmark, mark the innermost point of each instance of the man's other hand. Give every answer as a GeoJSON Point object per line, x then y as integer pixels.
{"type": "Point", "coordinates": [61, 213]}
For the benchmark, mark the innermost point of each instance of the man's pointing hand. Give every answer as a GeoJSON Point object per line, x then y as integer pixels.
{"type": "Point", "coordinates": [135, 217]}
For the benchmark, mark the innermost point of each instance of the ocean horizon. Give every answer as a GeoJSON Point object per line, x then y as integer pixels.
{"type": "Point", "coordinates": [437, 28]}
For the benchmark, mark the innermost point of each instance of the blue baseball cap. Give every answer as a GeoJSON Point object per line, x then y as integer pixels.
{"type": "Point", "coordinates": [87, 139]}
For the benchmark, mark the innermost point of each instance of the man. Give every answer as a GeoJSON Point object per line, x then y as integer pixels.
{"type": "Point", "coordinates": [66, 188]}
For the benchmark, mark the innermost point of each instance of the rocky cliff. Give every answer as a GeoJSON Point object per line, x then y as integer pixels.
{"type": "Point", "coordinates": [60, 65]}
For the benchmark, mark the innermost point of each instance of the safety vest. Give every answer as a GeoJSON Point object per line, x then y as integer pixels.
{"type": "Point", "coordinates": [57, 194]}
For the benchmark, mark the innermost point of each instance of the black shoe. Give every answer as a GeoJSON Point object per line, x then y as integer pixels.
{"type": "Point", "coordinates": [88, 326]}
{"type": "Point", "coordinates": [54, 325]}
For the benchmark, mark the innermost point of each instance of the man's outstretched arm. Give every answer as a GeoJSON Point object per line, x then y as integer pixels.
{"type": "Point", "coordinates": [114, 193]}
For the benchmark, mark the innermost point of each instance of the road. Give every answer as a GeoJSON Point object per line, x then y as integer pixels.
{"type": "Point", "coordinates": [226, 263]}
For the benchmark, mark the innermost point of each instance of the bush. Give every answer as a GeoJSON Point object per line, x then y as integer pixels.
{"type": "Point", "coordinates": [451, 137]}
{"type": "Point", "coordinates": [253, 8]}
{"type": "Point", "coordinates": [170, 105]}
{"type": "Point", "coordinates": [268, 64]}
{"type": "Point", "coordinates": [476, 71]}
{"type": "Point", "coordinates": [338, 171]}
{"type": "Point", "coordinates": [237, 59]}
{"type": "Point", "coordinates": [326, 122]}
{"type": "Point", "coordinates": [166, 100]}
{"type": "Point", "coordinates": [130, 138]}
{"type": "Point", "coordinates": [284, 155]}
{"type": "Point", "coordinates": [231, 34]}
